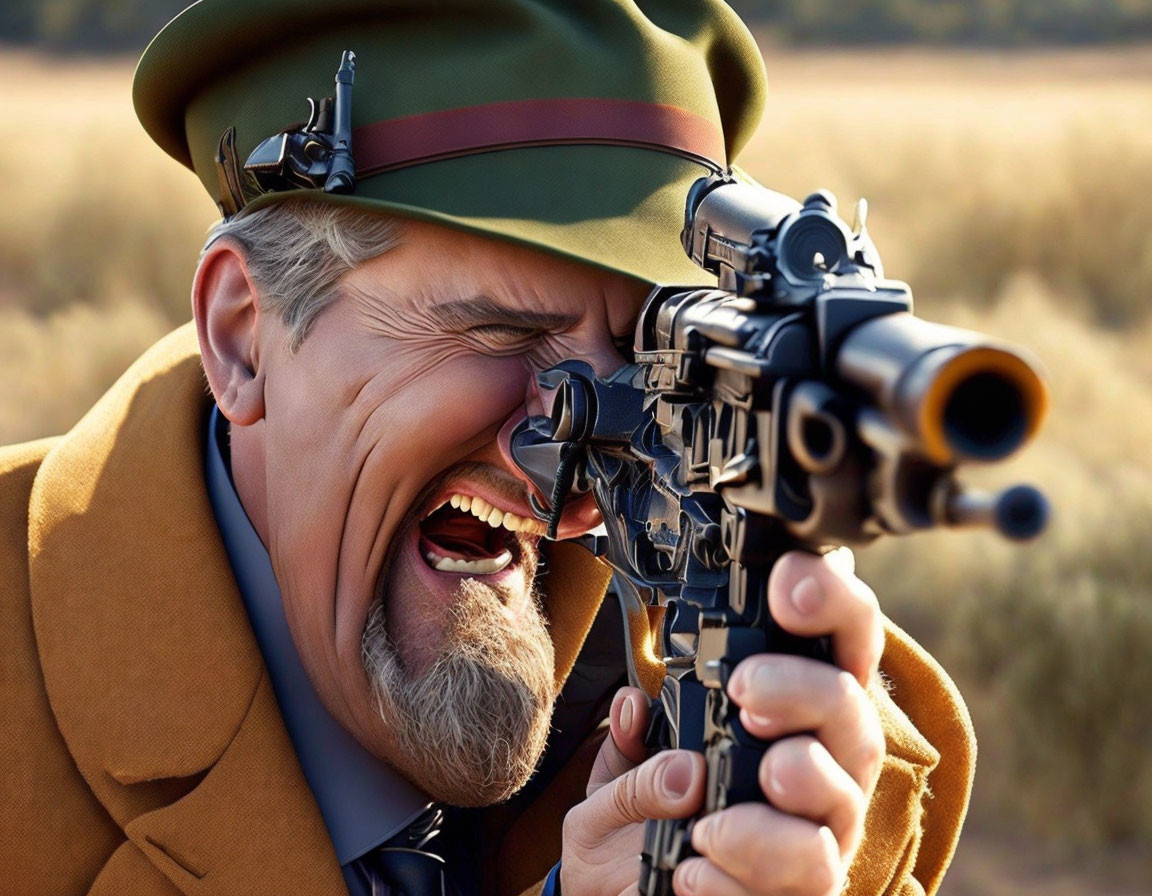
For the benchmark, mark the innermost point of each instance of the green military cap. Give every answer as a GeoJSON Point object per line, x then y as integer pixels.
{"type": "Point", "coordinates": [576, 126]}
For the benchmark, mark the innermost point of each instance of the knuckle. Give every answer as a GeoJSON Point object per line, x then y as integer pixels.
{"type": "Point", "coordinates": [867, 747]}
{"type": "Point", "coordinates": [857, 807]}
{"type": "Point", "coordinates": [853, 831]}
{"type": "Point", "coordinates": [872, 618]}
{"type": "Point", "coordinates": [847, 694]}
{"type": "Point", "coordinates": [846, 817]}
{"type": "Point", "coordinates": [861, 601]}
{"type": "Point", "coordinates": [625, 795]}
{"type": "Point", "coordinates": [865, 610]}
{"type": "Point", "coordinates": [615, 762]}
{"type": "Point", "coordinates": [574, 830]}
{"type": "Point", "coordinates": [870, 756]}
{"type": "Point", "coordinates": [865, 596]}
{"type": "Point", "coordinates": [824, 880]}
{"type": "Point", "coordinates": [789, 758]}
{"type": "Point", "coordinates": [873, 748]}
{"type": "Point", "coordinates": [876, 643]}
{"type": "Point", "coordinates": [823, 872]}
{"type": "Point", "coordinates": [864, 744]}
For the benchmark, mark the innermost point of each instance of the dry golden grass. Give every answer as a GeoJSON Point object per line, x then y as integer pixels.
{"type": "Point", "coordinates": [1011, 190]}
{"type": "Point", "coordinates": [1013, 193]}
{"type": "Point", "coordinates": [93, 212]}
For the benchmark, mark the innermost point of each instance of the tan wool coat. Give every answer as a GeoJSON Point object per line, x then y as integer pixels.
{"type": "Point", "coordinates": [142, 751]}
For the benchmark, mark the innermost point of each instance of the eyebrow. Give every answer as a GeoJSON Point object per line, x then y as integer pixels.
{"type": "Point", "coordinates": [482, 309]}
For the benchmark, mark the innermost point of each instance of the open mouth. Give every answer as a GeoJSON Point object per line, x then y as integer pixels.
{"type": "Point", "coordinates": [468, 535]}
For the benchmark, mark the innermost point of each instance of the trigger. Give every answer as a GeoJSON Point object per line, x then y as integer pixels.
{"type": "Point", "coordinates": [313, 115]}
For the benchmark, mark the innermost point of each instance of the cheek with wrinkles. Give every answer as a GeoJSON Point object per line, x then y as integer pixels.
{"type": "Point", "coordinates": [352, 455]}
{"type": "Point", "coordinates": [380, 367]}
{"type": "Point", "coordinates": [443, 404]}
{"type": "Point", "coordinates": [406, 437]}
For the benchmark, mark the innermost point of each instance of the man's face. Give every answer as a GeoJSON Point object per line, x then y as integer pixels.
{"type": "Point", "coordinates": [391, 500]}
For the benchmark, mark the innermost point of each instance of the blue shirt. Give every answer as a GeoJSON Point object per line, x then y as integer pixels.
{"type": "Point", "coordinates": [362, 800]}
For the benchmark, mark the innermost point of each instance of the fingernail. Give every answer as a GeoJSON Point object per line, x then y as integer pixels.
{"type": "Point", "coordinates": [626, 716]}
{"type": "Point", "coordinates": [737, 684]}
{"type": "Point", "coordinates": [807, 596]}
{"type": "Point", "coordinates": [761, 721]}
{"type": "Point", "coordinates": [676, 776]}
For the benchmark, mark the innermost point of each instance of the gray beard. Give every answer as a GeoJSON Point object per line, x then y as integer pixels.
{"type": "Point", "coordinates": [470, 730]}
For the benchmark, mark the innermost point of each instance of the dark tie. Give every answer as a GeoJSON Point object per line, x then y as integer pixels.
{"type": "Point", "coordinates": [410, 863]}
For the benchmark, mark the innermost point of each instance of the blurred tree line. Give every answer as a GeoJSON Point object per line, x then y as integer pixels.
{"type": "Point", "coordinates": [977, 22]}
{"type": "Point", "coordinates": [111, 25]}
{"type": "Point", "coordinates": [85, 25]}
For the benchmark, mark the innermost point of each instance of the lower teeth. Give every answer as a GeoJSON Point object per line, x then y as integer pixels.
{"type": "Point", "coordinates": [483, 567]}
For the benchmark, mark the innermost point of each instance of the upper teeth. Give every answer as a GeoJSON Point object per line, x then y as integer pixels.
{"type": "Point", "coordinates": [496, 517]}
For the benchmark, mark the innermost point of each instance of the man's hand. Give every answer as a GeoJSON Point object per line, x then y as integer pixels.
{"type": "Point", "coordinates": [817, 776]}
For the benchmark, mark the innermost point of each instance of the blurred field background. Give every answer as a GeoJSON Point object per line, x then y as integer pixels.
{"type": "Point", "coordinates": [1012, 189]}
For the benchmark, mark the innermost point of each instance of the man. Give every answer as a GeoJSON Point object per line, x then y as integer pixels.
{"type": "Point", "coordinates": [247, 639]}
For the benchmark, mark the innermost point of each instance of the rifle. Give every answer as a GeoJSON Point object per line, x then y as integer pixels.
{"type": "Point", "coordinates": [799, 405]}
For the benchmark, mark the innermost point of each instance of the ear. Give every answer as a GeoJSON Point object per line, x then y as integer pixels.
{"type": "Point", "coordinates": [227, 312]}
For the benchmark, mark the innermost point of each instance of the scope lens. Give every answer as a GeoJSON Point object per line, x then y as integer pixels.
{"type": "Point", "coordinates": [985, 417]}
{"type": "Point", "coordinates": [819, 438]}
{"type": "Point", "coordinates": [813, 245]}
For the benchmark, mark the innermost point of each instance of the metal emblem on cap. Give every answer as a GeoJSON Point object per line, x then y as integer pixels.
{"type": "Point", "coordinates": [313, 156]}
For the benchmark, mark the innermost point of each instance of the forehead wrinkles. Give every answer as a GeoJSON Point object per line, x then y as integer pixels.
{"type": "Point", "coordinates": [393, 322]}
{"type": "Point", "coordinates": [548, 292]}
{"type": "Point", "coordinates": [549, 296]}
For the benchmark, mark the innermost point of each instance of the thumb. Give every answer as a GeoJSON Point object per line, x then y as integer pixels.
{"type": "Point", "coordinates": [669, 785]}
{"type": "Point", "coordinates": [624, 748]}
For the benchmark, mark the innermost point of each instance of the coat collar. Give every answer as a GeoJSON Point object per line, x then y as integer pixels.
{"type": "Point", "coordinates": [149, 662]}
{"type": "Point", "coordinates": [146, 649]}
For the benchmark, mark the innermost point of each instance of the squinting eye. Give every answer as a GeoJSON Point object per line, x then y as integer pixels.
{"type": "Point", "coordinates": [503, 333]}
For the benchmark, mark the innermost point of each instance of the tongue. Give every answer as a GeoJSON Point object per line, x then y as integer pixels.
{"type": "Point", "coordinates": [451, 533]}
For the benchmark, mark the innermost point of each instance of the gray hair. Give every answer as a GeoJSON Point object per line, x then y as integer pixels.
{"type": "Point", "coordinates": [297, 251]}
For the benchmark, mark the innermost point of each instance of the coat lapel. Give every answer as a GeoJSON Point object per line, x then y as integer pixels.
{"type": "Point", "coordinates": [150, 665]}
